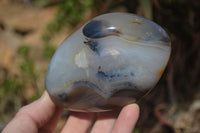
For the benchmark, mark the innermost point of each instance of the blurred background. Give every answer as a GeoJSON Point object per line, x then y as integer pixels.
{"type": "Point", "coordinates": [31, 31]}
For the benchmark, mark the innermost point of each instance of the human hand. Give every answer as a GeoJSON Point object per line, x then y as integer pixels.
{"type": "Point", "coordinates": [43, 115]}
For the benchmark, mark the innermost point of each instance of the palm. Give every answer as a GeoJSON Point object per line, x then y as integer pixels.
{"type": "Point", "coordinates": [43, 116]}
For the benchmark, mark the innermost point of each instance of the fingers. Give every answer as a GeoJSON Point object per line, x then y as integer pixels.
{"type": "Point", "coordinates": [127, 119]}
{"type": "Point", "coordinates": [44, 115]}
{"type": "Point", "coordinates": [51, 124]}
{"type": "Point", "coordinates": [125, 122]}
{"type": "Point", "coordinates": [105, 122]}
{"type": "Point", "coordinates": [33, 116]}
{"type": "Point", "coordinates": [78, 122]}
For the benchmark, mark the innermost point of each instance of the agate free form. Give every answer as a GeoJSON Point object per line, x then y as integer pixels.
{"type": "Point", "coordinates": [110, 62]}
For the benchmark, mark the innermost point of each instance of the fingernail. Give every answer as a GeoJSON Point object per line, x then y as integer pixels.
{"type": "Point", "coordinates": [44, 95]}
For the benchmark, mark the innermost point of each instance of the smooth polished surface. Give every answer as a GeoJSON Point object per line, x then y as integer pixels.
{"type": "Point", "coordinates": [111, 61]}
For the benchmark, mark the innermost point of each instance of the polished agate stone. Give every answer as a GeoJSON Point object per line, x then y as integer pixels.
{"type": "Point", "coordinates": [111, 61]}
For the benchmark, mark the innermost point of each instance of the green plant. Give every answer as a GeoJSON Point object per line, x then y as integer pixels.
{"type": "Point", "coordinates": [27, 66]}
{"type": "Point", "coordinates": [136, 130]}
{"type": "Point", "coordinates": [69, 13]}
{"type": "Point", "coordinates": [28, 70]}
{"type": "Point", "coordinates": [10, 94]}
{"type": "Point", "coordinates": [48, 51]}
{"type": "Point", "coordinates": [23, 50]}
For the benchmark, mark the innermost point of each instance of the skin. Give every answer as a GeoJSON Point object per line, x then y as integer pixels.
{"type": "Point", "coordinates": [43, 115]}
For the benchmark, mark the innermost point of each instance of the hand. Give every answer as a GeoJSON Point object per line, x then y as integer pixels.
{"type": "Point", "coordinates": [43, 115]}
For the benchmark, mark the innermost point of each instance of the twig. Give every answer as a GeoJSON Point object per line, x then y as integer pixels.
{"type": "Point", "coordinates": [157, 5]}
{"type": "Point", "coordinates": [105, 8]}
{"type": "Point", "coordinates": [157, 111]}
{"type": "Point", "coordinates": [170, 78]}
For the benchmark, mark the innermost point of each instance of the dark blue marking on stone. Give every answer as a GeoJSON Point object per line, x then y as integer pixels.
{"type": "Point", "coordinates": [132, 74]}
{"type": "Point", "coordinates": [99, 29]}
{"type": "Point", "coordinates": [110, 75]}
{"type": "Point", "coordinates": [63, 96]}
{"type": "Point", "coordinates": [165, 39]}
{"type": "Point", "coordinates": [93, 45]}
